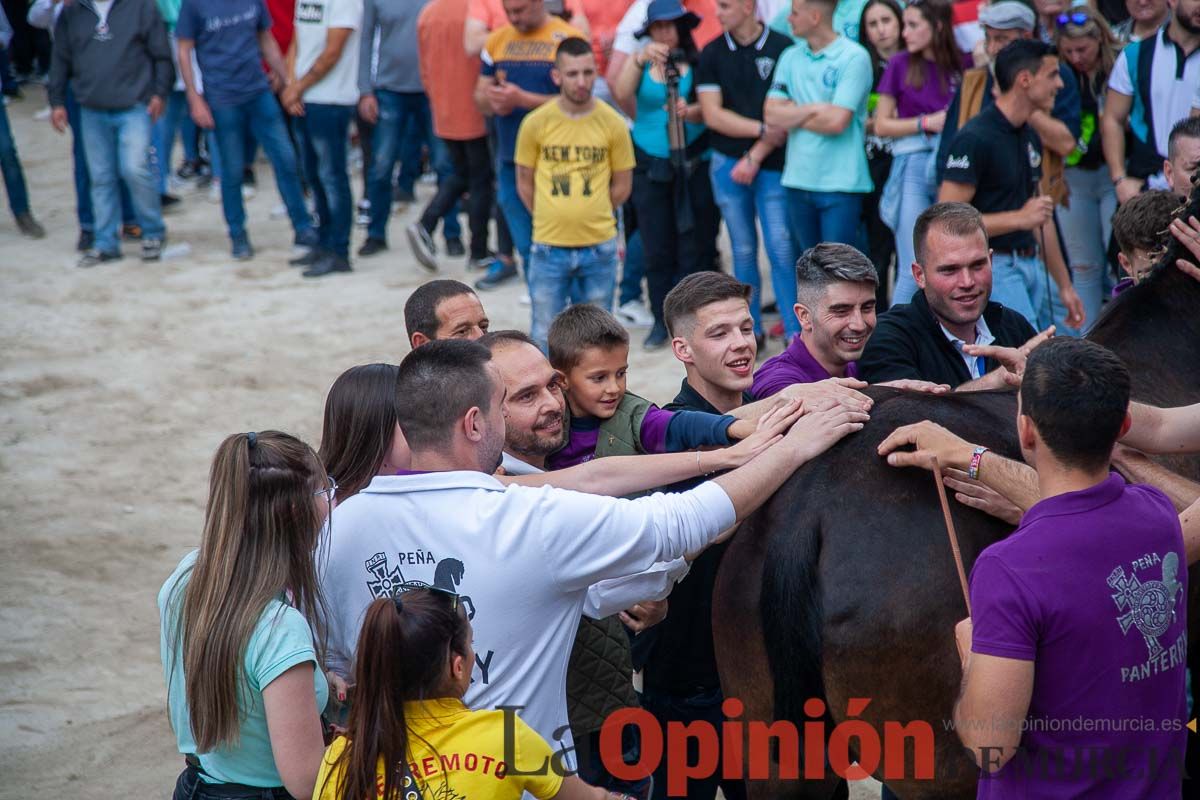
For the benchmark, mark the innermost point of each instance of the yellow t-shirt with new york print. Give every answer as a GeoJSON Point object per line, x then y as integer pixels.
{"type": "Point", "coordinates": [459, 754]}
{"type": "Point", "coordinates": [573, 159]}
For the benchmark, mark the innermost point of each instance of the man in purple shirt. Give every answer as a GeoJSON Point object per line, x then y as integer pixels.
{"type": "Point", "coordinates": [835, 305]}
{"type": "Point", "coordinates": [1074, 657]}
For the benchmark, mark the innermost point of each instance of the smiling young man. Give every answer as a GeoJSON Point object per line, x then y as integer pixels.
{"type": "Point", "coordinates": [924, 339]}
{"type": "Point", "coordinates": [835, 291]}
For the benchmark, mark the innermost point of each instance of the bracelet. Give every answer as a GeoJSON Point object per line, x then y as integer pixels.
{"type": "Point", "coordinates": [762, 129]}
{"type": "Point", "coordinates": [1119, 179]}
{"type": "Point", "coordinates": [976, 457]}
{"type": "Point", "coordinates": [921, 124]}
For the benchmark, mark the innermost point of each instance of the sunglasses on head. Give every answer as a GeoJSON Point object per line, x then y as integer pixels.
{"type": "Point", "coordinates": [1076, 18]}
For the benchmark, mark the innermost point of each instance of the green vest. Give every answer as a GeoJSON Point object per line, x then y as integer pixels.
{"type": "Point", "coordinates": [600, 670]}
{"type": "Point", "coordinates": [621, 434]}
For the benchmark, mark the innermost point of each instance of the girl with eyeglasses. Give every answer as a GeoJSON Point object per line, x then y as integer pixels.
{"type": "Point", "coordinates": [241, 626]}
{"type": "Point", "coordinates": [915, 90]}
{"type": "Point", "coordinates": [409, 735]}
{"type": "Point", "coordinates": [1085, 42]}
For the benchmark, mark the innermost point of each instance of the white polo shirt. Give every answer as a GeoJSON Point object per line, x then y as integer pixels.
{"type": "Point", "coordinates": [1173, 82]}
{"type": "Point", "coordinates": [521, 560]}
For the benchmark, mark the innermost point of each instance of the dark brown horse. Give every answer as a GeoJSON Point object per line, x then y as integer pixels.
{"type": "Point", "coordinates": [843, 585]}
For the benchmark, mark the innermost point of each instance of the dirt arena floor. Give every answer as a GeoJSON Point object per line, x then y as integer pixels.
{"type": "Point", "coordinates": [116, 385]}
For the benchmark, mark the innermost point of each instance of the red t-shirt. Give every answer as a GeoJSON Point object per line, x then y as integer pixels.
{"type": "Point", "coordinates": [283, 22]}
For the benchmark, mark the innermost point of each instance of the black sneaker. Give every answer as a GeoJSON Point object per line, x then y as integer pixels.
{"type": "Point", "coordinates": [94, 257]}
{"type": "Point", "coordinates": [30, 227]}
{"type": "Point", "coordinates": [152, 249]}
{"type": "Point", "coordinates": [327, 264]}
{"type": "Point", "coordinates": [454, 248]}
{"type": "Point", "coordinates": [497, 274]}
{"type": "Point", "coordinates": [362, 213]}
{"type": "Point", "coordinates": [372, 246]}
{"type": "Point", "coordinates": [248, 178]}
{"type": "Point", "coordinates": [422, 245]}
{"type": "Point", "coordinates": [308, 259]}
{"type": "Point", "coordinates": [657, 338]}
{"type": "Point", "coordinates": [188, 170]}
{"type": "Point", "coordinates": [169, 201]}
{"type": "Point", "coordinates": [86, 240]}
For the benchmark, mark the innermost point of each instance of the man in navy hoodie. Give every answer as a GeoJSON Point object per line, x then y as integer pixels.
{"type": "Point", "coordinates": [115, 54]}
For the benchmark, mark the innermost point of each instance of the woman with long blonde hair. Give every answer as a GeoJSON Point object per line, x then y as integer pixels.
{"type": "Point", "coordinates": [1086, 43]}
{"type": "Point", "coordinates": [241, 626]}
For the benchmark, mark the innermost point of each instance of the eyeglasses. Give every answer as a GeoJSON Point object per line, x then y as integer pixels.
{"type": "Point", "coordinates": [408, 587]}
{"type": "Point", "coordinates": [330, 490]}
{"type": "Point", "coordinates": [1078, 18]}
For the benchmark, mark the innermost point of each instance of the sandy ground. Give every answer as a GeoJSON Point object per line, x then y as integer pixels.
{"type": "Point", "coordinates": [116, 385]}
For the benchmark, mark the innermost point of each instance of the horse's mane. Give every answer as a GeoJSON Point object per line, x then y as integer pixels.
{"type": "Point", "coordinates": [1164, 286]}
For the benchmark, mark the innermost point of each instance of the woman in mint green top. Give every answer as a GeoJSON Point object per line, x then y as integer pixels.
{"type": "Point", "coordinates": [674, 202]}
{"type": "Point", "coordinates": [240, 626]}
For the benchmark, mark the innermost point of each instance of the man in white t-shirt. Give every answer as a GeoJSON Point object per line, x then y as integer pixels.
{"type": "Point", "coordinates": [323, 96]}
{"type": "Point", "coordinates": [520, 559]}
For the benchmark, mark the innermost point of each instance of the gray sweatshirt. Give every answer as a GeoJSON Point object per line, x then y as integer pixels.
{"type": "Point", "coordinates": [128, 66]}
{"type": "Point", "coordinates": [389, 46]}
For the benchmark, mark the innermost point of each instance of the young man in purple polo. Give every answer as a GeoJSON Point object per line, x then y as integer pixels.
{"type": "Point", "coordinates": [835, 305]}
{"type": "Point", "coordinates": [1074, 656]}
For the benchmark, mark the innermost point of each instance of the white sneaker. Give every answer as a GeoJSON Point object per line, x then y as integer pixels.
{"type": "Point", "coordinates": [248, 191]}
{"type": "Point", "coordinates": [634, 315]}
{"type": "Point", "coordinates": [214, 191]}
{"type": "Point", "coordinates": [524, 299]}
{"type": "Point", "coordinates": [279, 211]}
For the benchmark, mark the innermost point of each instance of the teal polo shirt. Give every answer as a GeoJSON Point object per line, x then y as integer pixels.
{"type": "Point", "coordinates": [839, 74]}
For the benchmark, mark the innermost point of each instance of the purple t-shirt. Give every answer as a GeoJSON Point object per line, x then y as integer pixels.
{"type": "Point", "coordinates": [1092, 587]}
{"type": "Point", "coordinates": [793, 365]}
{"type": "Point", "coordinates": [585, 433]}
{"type": "Point", "coordinates": [934, 95]}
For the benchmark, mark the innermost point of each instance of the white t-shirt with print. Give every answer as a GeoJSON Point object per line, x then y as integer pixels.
{"type": "Point", "coordinates": [314, 18]}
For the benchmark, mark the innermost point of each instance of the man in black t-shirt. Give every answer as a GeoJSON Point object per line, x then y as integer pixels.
{"type": "Point", "coordinates": [732, 80]}
{"type": "Point", "coordinates": [994, 163]}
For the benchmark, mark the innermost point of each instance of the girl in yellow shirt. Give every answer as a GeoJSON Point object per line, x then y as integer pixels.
{"type": "Point", "coordinates": [409, 736]}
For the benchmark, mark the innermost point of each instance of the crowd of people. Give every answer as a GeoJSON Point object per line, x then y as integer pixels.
{"type": "Point", "coordinates": [604, 143]}
{"type": "Point", "coordinates": [453, 594]}
{"type": "Point", "coordinates": [455, 591]}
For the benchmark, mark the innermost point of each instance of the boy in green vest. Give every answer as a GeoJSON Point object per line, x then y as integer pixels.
{"type": "Point", "coordinates": [591, 350]}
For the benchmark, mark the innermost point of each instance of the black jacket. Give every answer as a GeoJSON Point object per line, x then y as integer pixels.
{"type": "Point", "coordinates": [129, 65]}
{"type": "Point", "coordinates": [908, 342]}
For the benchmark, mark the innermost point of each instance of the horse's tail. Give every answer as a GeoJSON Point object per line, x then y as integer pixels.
{"type": "Point", "coordinates": [792, 615]}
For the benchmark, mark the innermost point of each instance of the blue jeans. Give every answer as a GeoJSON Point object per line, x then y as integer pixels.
{"type": "Point", "coordinates": [1023, 284]}
{"type": "Point", "coordinates": [14, 178]}
{"type": "Point", "coordinates": [558, 275]}
{"type": "Point", "coordinates": [906, 194]}
{"type": "Point", "coordinates": [633, 270]}
{"type": "Point", "coordinates": [324, 136]}
{"type": "Point", "coordinates": [118, 148]}
{"type": "Point", "coordinates": [390, 141]}
{"type": "Point", "coordinates": [416, 133]}
{"type": "Point", "coordinates": [265, 121]}
{"type": "Point", "coordinates": [520, 223]}
{"type": "Point", "coordinates": [165, 131]}
{"type": "Point", "coordinates": [818, 217]}
{"type": "Point", "coordinates": [83, 184]}
{"type": "Point", "coordinates": [1086, 227]}
{"type": "Point", "coordinates": [740, 204]}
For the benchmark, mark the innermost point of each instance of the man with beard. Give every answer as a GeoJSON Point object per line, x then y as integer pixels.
{"type": "Point", "coordinates": [524, 557]}
{"type": "Point", "coordinates": [931, 338]}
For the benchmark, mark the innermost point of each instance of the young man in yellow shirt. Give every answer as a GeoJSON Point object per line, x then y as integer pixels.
{"type": "Point", "coordinates": [575, 163]}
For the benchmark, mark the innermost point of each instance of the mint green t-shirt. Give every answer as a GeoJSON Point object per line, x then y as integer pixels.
{"type": "Point", "coordinates": [846, 17]}
{"type": "Point", "coordinates": [839, 74]}
{"type": "Point", "coordinates": [281, 640]}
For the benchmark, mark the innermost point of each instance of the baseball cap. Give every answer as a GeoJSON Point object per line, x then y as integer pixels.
{"type": "Point", "coordinates": [1007, 15]}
